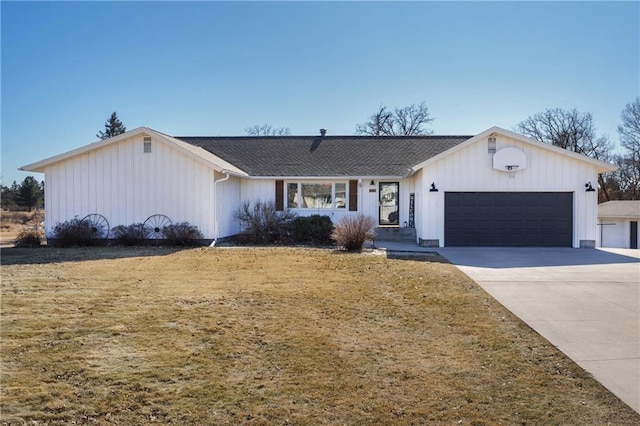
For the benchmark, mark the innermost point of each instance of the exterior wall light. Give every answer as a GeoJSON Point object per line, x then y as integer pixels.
{"type": "Point", "coordinates": [589, 187]}
{"type": "Point", "coordinates": [433, 187]}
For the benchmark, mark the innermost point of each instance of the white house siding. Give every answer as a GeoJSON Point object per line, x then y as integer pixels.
{"type": "Point", "coordinates": [228, 193]}
{"type": "Point", "coordinates": [126, 186]}
{"type": "Point", "coordinates": [471, 169]}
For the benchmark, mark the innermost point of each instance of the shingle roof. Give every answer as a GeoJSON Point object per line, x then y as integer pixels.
{"type": "Point", "coordinates": [620, 208]}
{"type": "Point", "coordinates": [327, 155]}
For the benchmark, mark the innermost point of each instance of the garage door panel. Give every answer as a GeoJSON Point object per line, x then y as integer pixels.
{"type": "Point", "coordinates": [509, 219]}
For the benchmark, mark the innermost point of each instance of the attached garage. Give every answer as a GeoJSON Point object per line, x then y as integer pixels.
{"type": "Point", "coordinates": [509, 219]}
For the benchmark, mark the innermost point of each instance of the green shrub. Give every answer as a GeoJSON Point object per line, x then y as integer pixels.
{"type": "Point", "coordinates": [72, 233]}
{"type": "Point", "coordinates": [182, 234]}
{"type": "Point", "coordinates": [314, 229]}
{"type": "Point", "coordinates": [352, 231]}
{"type": "Point", "coordinates": [262, 223]}
{"type": "Point", "coordinates": [128, 235]}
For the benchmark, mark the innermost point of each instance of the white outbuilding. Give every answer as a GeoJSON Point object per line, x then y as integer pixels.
{"type": "Point", "coordinates": [497, 188]}
{"type": "Point", "coordinates": [618, 223]}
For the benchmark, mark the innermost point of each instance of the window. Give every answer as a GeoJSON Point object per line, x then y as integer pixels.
{"type": "Point", "coordinates": [317, 195]}
{"type": "Point", "coordinates": [292, 195]}
{"type": "Point", "coordinates": [492, 146]}
{"type": "Point", "coordinates": [341, 195]}
{"type": "Point", "coordinates": [147, 145]}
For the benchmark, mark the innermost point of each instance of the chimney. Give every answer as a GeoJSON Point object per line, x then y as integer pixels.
{"type": "Point", "coordinates": [323, 132]}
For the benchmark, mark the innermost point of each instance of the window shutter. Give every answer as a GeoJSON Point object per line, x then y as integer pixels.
{"type": "Point", "coordinates": [353, 195]}
{"type": "Point", "coordinates": [279, 195]}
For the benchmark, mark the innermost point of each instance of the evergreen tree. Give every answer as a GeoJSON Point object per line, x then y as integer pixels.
{"type": "Point", "coordinates": [29, 193]}
{"type": "Point", "coordinates": [112, 127]}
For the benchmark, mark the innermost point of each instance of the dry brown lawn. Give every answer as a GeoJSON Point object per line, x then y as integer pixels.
{"type": "Point", "coordinates": [273, 336]}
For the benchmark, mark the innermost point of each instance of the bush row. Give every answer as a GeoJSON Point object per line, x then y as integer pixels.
{"type": "Point", "coordinates": [262, 223]}
{"type": "Point", "coordinates": [77, 233]}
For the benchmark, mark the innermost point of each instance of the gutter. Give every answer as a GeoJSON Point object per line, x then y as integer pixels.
{"type": "Point", "coordinates": [215, 206]}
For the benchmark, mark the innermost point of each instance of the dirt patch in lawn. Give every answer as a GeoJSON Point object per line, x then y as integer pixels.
{"type": "Point", "coordinates": [273, 336]}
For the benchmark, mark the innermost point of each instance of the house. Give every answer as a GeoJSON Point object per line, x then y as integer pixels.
{"type": "Point", "coordinates": [497, 188]}
{"type": "Point", "coordinates": [618, 224]}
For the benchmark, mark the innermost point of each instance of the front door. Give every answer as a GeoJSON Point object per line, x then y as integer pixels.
{"type": "Point", "coordinates": [389, 213]}
{"type": "Point", "coordinates": [634, 235]}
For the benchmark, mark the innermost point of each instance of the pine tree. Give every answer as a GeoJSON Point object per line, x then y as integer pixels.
{"type": "Point", "coordinates": [29, 193]}
{"type": "Point", "coordinates": [112, 127]}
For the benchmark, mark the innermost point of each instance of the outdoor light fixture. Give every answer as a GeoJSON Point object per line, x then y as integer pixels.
{"type": "Point", "coordinates": [433, 187]}
{"type": "Point", "coordinates": [589, 187]}
{"type": "Point", "coordinates": [372, 186]}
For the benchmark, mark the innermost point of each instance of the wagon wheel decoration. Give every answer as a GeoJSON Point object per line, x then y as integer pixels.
{"type": "Point", "coordinates": [154, 225]}
{"type": "Point", "coordinates": [98, 224]}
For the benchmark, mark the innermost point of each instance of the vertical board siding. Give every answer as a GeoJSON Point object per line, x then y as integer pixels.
{"type": "Point", "coordinates": [471, 169]}
{"type": "Point", "coordinates": [127, 186]}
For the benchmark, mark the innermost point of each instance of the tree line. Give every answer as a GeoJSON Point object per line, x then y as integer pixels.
{"type": "Point", "coordinates": [29, 195]}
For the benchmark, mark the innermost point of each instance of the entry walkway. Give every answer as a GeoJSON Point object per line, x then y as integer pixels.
{"type": "Point", "coordinates": [586, 302]}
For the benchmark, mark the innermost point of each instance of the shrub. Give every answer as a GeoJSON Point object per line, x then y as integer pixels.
{"type": "Point", "coordinates": [29, 237]}
{"type": "Point", "coordinates": [72, 233]}
{"type": "Point", "coordinates": [314, 229]}
{"type": "Point", "coordinates": [352, 231]}
{"type": "Point", "coordinates": [128, 235]}
{"type": "Point", "coordinates": [262, 223]}
{"type": "Point", "coordinates": [182, 234]}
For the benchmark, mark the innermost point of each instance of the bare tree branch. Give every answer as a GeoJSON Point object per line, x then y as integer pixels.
{"type": "Point", "coordinates": [571, 130]}
{"type": "Point", "coordinates": [267, 130]}
{"type": "Point", "coordinates": [406, 121]}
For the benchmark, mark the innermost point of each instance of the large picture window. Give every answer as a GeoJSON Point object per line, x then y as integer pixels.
{"type": "Point", "coordinates": [316, 195]}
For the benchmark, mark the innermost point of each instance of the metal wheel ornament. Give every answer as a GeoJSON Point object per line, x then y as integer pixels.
{"type": "Point", "coordinates": [99, 225]}
{"type": "Point", "coordinates": [154, 225]}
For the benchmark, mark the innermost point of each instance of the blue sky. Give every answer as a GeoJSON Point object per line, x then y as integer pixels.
{"type": "Point", "coordinates": [215, 68]}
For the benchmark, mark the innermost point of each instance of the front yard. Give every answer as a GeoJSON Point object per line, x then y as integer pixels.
{"type": "Point", "coordinates": [273, 336]}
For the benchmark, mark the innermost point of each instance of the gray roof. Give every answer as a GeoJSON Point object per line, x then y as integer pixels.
{"type": "Point", "coordinates": [620, 208]}
{"type": "Point", "coordinates": [325, 155]}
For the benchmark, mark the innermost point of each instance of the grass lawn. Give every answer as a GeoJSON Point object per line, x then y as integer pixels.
{"type": "Point", "coordinates": [273, 336]}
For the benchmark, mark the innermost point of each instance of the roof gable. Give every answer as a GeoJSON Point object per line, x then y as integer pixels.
{"type": "Point", "coordinates": [192, 151]}
{"type": "Point", "coordinates": [602, 166]}
{"type": "Point", "coordinates": [324, 156]}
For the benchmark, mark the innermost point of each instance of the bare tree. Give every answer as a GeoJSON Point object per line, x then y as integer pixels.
{"type": "Point", "coordinates": [629, 131]}
{"type": "Point", "coordinates": [406, 121]}
{"type": "Point", "coordinates": [571, 130]}
{"type": "Point", "coordinates": [267, 130]}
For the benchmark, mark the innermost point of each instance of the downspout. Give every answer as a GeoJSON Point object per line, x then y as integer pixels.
{"type": "Point", "coordinates": [215, 206]}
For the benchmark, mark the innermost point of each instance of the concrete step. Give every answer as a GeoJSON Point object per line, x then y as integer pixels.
{"type": "Point", "coordinates": [396, 234]}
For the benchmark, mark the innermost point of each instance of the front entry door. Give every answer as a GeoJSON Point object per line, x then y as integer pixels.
{"type": "Point", "coordinates": [388, 210]}
{"type": "Point", "coordinates": [634, 235]}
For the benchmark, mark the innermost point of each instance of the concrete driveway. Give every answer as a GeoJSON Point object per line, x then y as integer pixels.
{"type": "Point", "coordinates": [586, 302]}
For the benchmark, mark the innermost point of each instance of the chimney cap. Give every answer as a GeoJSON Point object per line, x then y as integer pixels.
{"type": "Point", "coordinates": [323, 132]}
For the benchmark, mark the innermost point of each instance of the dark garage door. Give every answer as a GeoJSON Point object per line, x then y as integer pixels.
{"type": "Point", "coordinates": [508, 219]}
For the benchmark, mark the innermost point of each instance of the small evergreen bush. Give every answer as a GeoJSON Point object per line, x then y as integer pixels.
{"type": "Point", "coordinates": [314, 229]}
{"type": "Point", "coordinates": [128, 235]}
{"type": "Point", "coordinates": [352, 231]}
{"type": "Point", "coordinates": [182, 234]}
{"type": "Point", "coordinates": [262, 223]}
{"type": "Point", "coordinates": [72, 233]}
